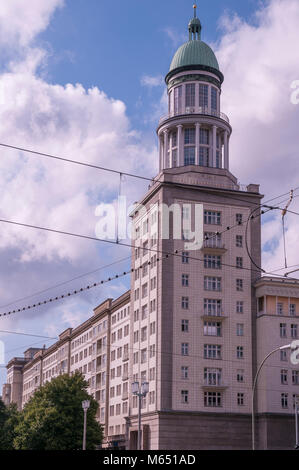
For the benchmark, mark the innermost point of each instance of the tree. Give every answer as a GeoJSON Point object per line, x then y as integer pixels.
{"type": "Point", "coordinates": [9, 417]}
{"type": "Point", "coordinates": [53, 418]}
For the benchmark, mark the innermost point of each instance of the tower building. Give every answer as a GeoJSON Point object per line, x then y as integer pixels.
{"type": "Point", "coordinates": [199, 362]}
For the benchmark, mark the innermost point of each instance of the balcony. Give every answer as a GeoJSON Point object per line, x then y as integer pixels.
{"type": "Point", "coordinates": [204, 111]}
{"type": "Point", "coordinates": [213, 385]}
{"type": "Point", "coordinates": [213, 316]}
{"type": "Point", "coordinates": [213, 246]}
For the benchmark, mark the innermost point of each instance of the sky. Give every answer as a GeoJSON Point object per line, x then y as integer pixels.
{"type": "Point", "coordinates": [85, 80]}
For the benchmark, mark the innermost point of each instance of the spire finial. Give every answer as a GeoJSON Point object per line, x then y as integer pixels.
{"type": "Point", "coordinates": [194, 8]}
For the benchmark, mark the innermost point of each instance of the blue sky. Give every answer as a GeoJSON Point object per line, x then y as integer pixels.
{"type": "Point", "coordinates": [52, 54]}
{"type": "Point", "coordinates": [93, 41]}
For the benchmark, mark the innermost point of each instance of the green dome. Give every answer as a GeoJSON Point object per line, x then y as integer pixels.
{"type": "Point", "coordinates": [194, 53]}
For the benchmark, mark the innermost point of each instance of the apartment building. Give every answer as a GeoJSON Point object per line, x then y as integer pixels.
{"type": "Point", "coordinates": [277, 325]}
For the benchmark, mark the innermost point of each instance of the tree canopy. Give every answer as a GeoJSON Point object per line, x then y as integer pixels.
{"type": "Point", "coordinates": [53, 418]}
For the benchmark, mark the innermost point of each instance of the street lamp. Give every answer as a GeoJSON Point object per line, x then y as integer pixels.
{"type": "Point", "coordinates": [85, 406]}
{"type": "Point", "coordinates": [296, 422]}
{"type": "Point", "coordinates": [140, 392]}
{"type": "Point", "coordinates": [288, 346]}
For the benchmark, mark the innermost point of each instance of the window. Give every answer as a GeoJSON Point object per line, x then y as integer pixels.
{"type": "Point", "coordinates": [185, 280]}
{"type": "Point", "coordinates": [174, 144]}
{"type": "Point", "coordinates": [185, 349]}
{"type": "Point", "coordinates": [185, 257]}
{"type": "Point", "coordinates": [212, 283]}
{"type": "Point", "coordinates": [239, 241]}
{"type": "Point", "coordinates": [189, 156]}
{"type": "Point", "coordinates": [152, 398]}
{"type": "Point", "coordinates": [184, 396]}
{"type": "Point", "coordinates": [239, 219]}
{"type": "Point", "coordinates": [185, 303]}
{"type": "Point", "coordinates": [240, 352]}
{"type": "Point", "coordinates": [152, 373]}
{"type": "Point", "coordinates": [212, 376]}
{"type": "Point", "coordinates": [184, 372]}
{"type": "Point", "coordinates": [283, 355]}
{"type": "Point", "coordinates": [144, 269]}
{"type": "Point", "coordinates": [185, 326]}
{"type": "Point", "coordinates": [136, 294]}
{"type": "Point", "coordinates": [153, 283]}
{"type": "Point", "coordinates": [204, 135]}
{"type": "Point", "coordinates": [212, 218]}
{"type": "Point", "coordinates": [214, 100]}
{"type": "Point", "coordinates": [204, 159]}
{"type": "Point", "coordinates": [212, 307]}
{"type": "Point", "coordinates": [294, 331]}
{"type": "Point", "coordinates": [292, 310]}
{"type": "Point", "coordinates": [189, 136]}
{"type": "Point", "coordinates": [177, 99]}
{"type": "Point", "coordinates": [145, 248]}
{"type": "Point", "coordinates": [284, 400]}
{"type": "Point", "coordinates": [144, 312]}
{"type": "Point", "coordinates": [212, 261]}
{"type": "Point", "coordinates": [284, 377]}
{"type": "Point", "coordinates": [144, 334]}
{"type": "Point", "coordinates": [212, 351]}
{"type": "Point", "coordinates": [279, 308]}
{"type": "Point", "coordinates": [240, 399]}
{"type": "Point", "coordinates": [152, 328]}
{"type": "Point", "coordinates": [240, 307]}
{"type": "Point", "coordinates": [240, 329]}
{"type": "Point", "coordinates": [283, 330]}
{"type": "Point", "coordinates": [152, 350]}
{"type": "Point", "coordinates": [212, 329]}
{"type": "Point", "coordinates": [240, 375]}
{"type": "Point", "coordinates": [239, 262]}
{"type": "Point", "coordinates": [143, 356]}
{"type": "Point", "coordinates": [213, 399]}
{"type": "Point", "coordinates": [190, 94]}
{"type": "Point", "coordinates": [152, 305]}
{"type": "Point", "coordinates": [295, 377]}
{"type": "Point", "coordinates": [212, 240]}
{"type": "Point", "coordinates": [144, 290]}
{"type": "Point", "coordinates": [239, 285]}
{"type": "Point", "coordinates": [136, 315]}
{"type": "Point", "coordinates": [203, 96]}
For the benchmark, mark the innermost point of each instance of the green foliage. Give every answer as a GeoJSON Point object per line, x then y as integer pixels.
{"type": "Point", "coordinates": [9, 417]}
{"type": "Point", "coordinates": [53, 418]}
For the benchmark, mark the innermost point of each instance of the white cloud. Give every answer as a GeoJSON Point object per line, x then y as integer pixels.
{"type": "Point", "coordinates": [21, 22]}
{"type": "Point", "coordinates": [72, 122]}
{"type": "Point", "coordinates": [150, 81]}
{"type": "Point", "coordinates": [259, 62]}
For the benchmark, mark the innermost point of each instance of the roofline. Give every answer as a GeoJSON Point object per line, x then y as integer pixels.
{"type": "Point", "coordinates": [204, 68]}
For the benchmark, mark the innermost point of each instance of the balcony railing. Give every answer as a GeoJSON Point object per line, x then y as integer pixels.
{"type": "Point", "coordinates": [217, 384]}
{"type": "Point", "coordinates": [213, 315]}
{"type": "Point", "coordinates": [195, 110]}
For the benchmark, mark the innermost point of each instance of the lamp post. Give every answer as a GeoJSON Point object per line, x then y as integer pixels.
{"type": "Point", "coordinates": [85, 406]}
{"type": "Point", "coordinates": [288, 346]}
{"type": "Point", "coordinates": [140, 392]}
{"type": "Point", "coordinates": [296, 422]}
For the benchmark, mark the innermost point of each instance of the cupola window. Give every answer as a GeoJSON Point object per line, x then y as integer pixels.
{"type": "Point", "coordinates": [177, 99]}
{"type": "Point", "coordinates": [214, 99]}
{"type": "Point", "coordinates": [190, 95]}
{"type": "Point", "coordinates": [203, 96]}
